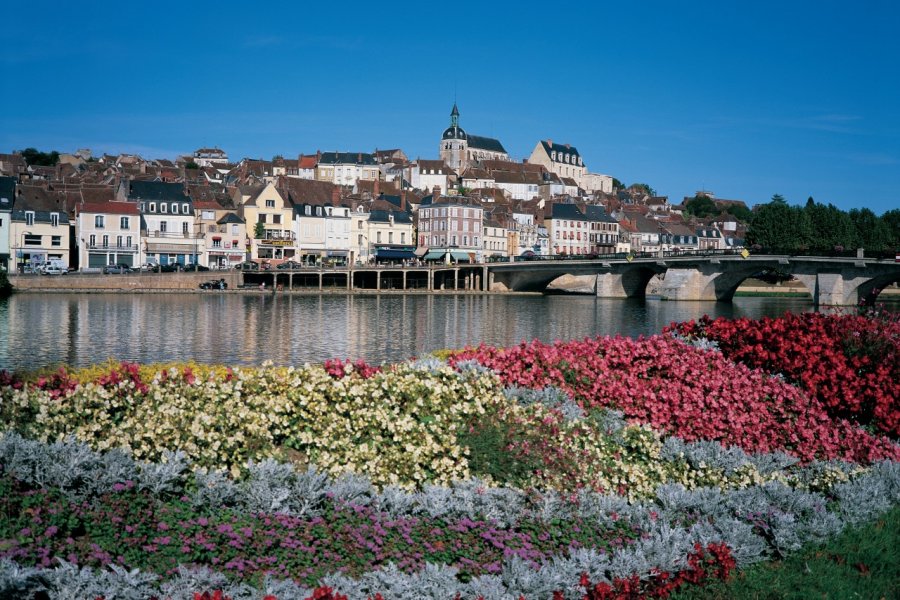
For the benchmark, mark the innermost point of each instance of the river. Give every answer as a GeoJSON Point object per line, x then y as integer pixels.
{"type": "Point", "coordinates": [246, 329]}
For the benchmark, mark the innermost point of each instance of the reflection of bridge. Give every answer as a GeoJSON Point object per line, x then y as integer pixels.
{"type": "Point", "coordinates": [830, 281]}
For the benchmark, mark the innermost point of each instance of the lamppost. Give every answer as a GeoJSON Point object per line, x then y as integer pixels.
{"type": "Point", "coordinates": [22, 249]}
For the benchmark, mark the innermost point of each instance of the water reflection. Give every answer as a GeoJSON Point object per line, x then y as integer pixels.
{"type": "Point", "coordinates": [247, 329]}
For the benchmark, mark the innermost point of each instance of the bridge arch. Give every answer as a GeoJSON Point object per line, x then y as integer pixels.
{"type": "Point", "coordinates": [868, 291]}
{"type": "Point", "coordinates": [725, 285]}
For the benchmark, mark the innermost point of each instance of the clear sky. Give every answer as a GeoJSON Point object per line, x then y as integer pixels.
{"type": "Point", "coordinates": [745, 99]}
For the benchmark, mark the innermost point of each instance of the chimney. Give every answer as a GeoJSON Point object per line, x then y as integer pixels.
{"type": "Point", "coordinates": [336, 195]}
{"type": "Point", "coordinates": [318, 156]}
{"type": "Point", "coordinates": [435, 193]}
{"type": "Point", "coordinates": [550, 142]}
{"type": "Point", "coordinates": [403, 200]}
{"type": "Point", "coordinates": [359, 157]}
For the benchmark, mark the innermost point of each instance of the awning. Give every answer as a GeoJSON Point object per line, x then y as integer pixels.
{"type": "Point", "coordinates": [172, 248]}
{"type": "Point", "coordinates": [391, 253]}
{"type": "Point", "coordinates": [337, 253]}
{"type": "Point", "coordinates": [461, 256]}
{"type": "Point", "coordinates": [434, 255]}
{"type": "Point", "coordinates": [421, 251]}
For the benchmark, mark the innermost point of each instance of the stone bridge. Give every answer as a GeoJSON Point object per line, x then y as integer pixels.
{"type": "Point", "coordinates": [830, 281]}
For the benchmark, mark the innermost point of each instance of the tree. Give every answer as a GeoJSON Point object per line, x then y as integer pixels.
{"type": "Point", "coordinates": [780, 227]}
{"type": "Point", "coordinates": [701, 206]}
{"type": "Point", "coordinates": [871, 232]}
{"type": "Point", "coordinates": [831, 227]}
{"type": "Point", "coordinates": [191, 165]}
{"type": "Point", "coordinates": [739, 212]}
{"type": "Point", "coordinates": [618, 185]}
{"type": "Point", "coordinates": [259, 230]}
{"type": "Point", "coordinates": [33, 157]}
{"type": "Point", "coordinates": [892, 219]}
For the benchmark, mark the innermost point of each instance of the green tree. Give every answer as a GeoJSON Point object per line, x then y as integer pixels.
{"type": "Point", "coordinates": [892, 219]}
{"type": "Point", "coordinates": [872, 232]}
{"type": "Point", "coordinates": [259, 230]}
{"type": "Point", "coordinates": [191, 165]}
{"type": "Point", "coordinates": [701, 206]}
{"type": "Point", "coordinates": [33, 157]}
{"type": "Point", "coordinates": [739, 212]}
{"type": "Point", "coordinates": [831, 227]}
{"type": "Point", "coordinates": [780, 227]}
{"type": "Point", "coordinates": [618, 185]}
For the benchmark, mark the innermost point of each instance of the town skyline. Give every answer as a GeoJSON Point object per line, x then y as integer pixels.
{"type": "Point", "coordinates": [745, 103]}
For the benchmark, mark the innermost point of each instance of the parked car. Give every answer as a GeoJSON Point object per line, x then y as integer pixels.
{"type": "Point", "coordinates": [169, 268]}
{"type": "Point", "coordinates": [195, 268]}
{"type": "Point", "coordinates": [289, 265]}
{"type": "Point", "coordinates": [214, 284]}
{"type": "Point", "coordinates": [117, 269]}
{"type": "Point", "coordinates": [54, 270]}
{"type": "Point", "coordinates": [248, 265]}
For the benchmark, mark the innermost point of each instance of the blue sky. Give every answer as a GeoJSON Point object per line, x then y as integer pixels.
{"type": "Point", "coordinates": [746, 99]}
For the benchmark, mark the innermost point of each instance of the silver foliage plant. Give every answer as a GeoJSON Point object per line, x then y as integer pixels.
{"type": "Point", "coordinates": [550, 396]}
{"type": "Point", "coordinates": [756, 522]}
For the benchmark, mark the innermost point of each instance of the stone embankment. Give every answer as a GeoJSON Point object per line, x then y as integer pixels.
{"type": "Point", "coordinates": [128, 282]}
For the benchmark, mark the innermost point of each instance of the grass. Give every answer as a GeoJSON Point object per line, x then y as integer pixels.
{"type": "Point", "coordinates": [863, 563]}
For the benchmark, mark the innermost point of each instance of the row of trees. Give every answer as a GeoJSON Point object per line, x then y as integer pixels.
{"type": "Point", "coordinates": [822, 228]}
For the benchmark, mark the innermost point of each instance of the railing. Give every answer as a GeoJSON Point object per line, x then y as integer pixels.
{"type": "Point", "coordinates": [116, 247]}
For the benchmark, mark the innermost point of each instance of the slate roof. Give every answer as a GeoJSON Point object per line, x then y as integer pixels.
{"type": "Point", "coordinates": [486, 143]}
{"type": "Point", "coordinates": [7, 192]}
{"type": "Point", "coordinates": [598, 213]}
{"type": "Point", "coordinates": [566, 211]}
{"type": "Point", "coordinates": [560, 149]}
{"type": "Point", "coordinates": [230, 217]}
{"type": "Point", "coordinates": [383, 216]}
{"type": "Point", "coordinates": [307, 191]}
{"type": "Point", "coordinates": [347, 158]}
{"type": "Point", "coordinates": [157, 190]}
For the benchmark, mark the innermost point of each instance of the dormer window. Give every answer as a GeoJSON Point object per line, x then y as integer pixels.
{"type": "Point", "coordinates": [318, 211]}
{"type": "Point", "coordinates": [153, 207]}
{"type": "Point", "coordinates": [553, 155]}
{"type": "Point", "coordinates": [163, 208]}
{"type": "Point", "coordinates": [308, 210]}
{"type": "Point", "coordinates": [184, 209]}
{"type": "Point", "coordinates": [174, 209]}
{"type": "Point", "coordinates": [54, 219]}
{"type": "Point", "coordinates": [29, 218]}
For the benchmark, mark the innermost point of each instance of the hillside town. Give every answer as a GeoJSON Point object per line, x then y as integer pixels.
{"type": "Point", "coordinates": [472, 203]}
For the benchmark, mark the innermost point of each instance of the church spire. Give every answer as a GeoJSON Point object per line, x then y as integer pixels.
{"type": "Point", "coordinates": [454, 116]}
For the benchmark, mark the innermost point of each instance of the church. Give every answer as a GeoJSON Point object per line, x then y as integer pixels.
{"type": "Point", "coordinates": [460, 149]}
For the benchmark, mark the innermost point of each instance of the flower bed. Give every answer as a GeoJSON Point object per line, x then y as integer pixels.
{"type": "Point", "coordinates": [605, 468]}
{"type": "Point", "coordinates": [686, 391]}
{"type": "Point", "coordinates": [850, 363]}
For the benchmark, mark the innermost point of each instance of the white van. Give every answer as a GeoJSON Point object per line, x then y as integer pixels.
{"type": "Point", "coordinates": [53, 266]}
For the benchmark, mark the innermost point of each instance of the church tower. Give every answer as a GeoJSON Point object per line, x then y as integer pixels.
{"type": "Point", "coordinates": [454, 143]}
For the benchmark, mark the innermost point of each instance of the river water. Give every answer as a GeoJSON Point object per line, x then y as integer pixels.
{"type": "Point", "coordinates": [247, 329]}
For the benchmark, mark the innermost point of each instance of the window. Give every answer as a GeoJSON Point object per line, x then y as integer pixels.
{"type": "Point", "coordinates": [184, 228]}
{"type": "Point", "coordinates": [54, 219]}
{"type": "Point", "coordinates": [128, 241]}
{"type": "Point", "coordinates": [261, 218]}
{"type": "Point", "coordinates": [98, 222]}
{"type": "Point", "coordinates": [359, 239]}
{"type": "Point", "coordinates": [276, 219]}
{"type": "Point", "coordinates": [29, 218]}
{"type": "Point", "coordinates": [123, 223]}
{"type": "Point", "coordinates": [453, 242]}
{"type": "Point", "coordinates": [270, 204]}
{"type": "Point", "coordinates": [92, 240]}
{"type": "Point", "coordinates": [56, 240]}
{"type": "Point", "coordinates": [308, 210]}
{"type": "Point", "coordinates": [119, 241]}
{"type": "Point", "coordinates": [184, 209]}
{"type": "Point", "coordinates": [163, 226]}
{"type": "Point", "coordinates": [153, 207]}
{"type": "Point", "coordinates": [465, 240]}
{"type": "Point", "coordinates": [360, 223]}
{"type": "Point", "coordinates": [402, 237]}
{"type": "Point", "coordinates": [163, 208]}
{"type": "Point", "coordinates": [208, 215]}
{"type": "Point", "coordinates": [105, 241]}
{"type": "Point", "coordinates": [378, 238]}
{"type": "Point", "coordinates": [217, 242]}
{"type": "Point", "coordinates": [390, 237]}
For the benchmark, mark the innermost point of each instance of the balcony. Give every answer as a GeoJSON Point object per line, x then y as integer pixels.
{"type": "Point", "coordinates": [113, 247]}
{"type": "Point", "coordinates": [277, 238]}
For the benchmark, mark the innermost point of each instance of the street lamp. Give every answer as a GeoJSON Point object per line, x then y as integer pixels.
{"type": "Point", "coordinates": [22, 249]}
